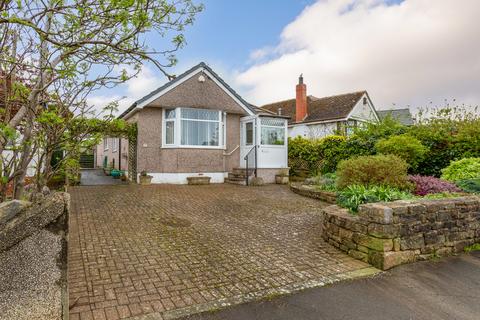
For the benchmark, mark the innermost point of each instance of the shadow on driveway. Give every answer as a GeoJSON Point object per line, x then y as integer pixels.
{"type": "Point", "coordinates": [96, 177]}
{"type": "Point", "coordinates": [446, 289]}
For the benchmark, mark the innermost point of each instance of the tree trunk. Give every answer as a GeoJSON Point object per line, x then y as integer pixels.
{"type": "Point", "coordinates": [19, 183]}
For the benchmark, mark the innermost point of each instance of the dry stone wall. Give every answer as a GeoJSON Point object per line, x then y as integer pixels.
{"type": "Point", "coordinates": [389, 234]}
{"type": "Point", "coordinates": [311, 192]}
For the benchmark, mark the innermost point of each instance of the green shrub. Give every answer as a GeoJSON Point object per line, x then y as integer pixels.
{"type": "Point", "coordinates": [315, 155]}
{"type": "Point", "coordinates": [467, 139]}
{"type": "Point", "coordinates": [362, 142]}
{"type": "Point", "coordinates": [355, 195]}
{"type": "Point", "coordinates": [332, 151]}
{"type": "Point", "coordinates": [405, 146]}
{"type": "Point", "coordinates": [449, 134]}
{"type": "Point", "coordinates": [467, 168]}
{"type": "Point", "coordinates": [303, 154]}
{"type": "Point", "coordinates": [372, 132]}
{"type": "Point", "coordinates": [469, 185]}
{"type": "Point", "coordinates": [439, 141]}
{"type": "Point", "coordinates": [378, 170]}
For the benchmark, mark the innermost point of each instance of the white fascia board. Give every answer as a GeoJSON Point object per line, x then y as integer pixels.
{"type": "Point", "coordinates": [179, 82]}
{"type": "Point", "coordinates": [316, 122]}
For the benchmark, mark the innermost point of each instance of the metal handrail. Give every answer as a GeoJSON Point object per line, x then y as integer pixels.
{"type": "Point", "coordinates": [251, 155]}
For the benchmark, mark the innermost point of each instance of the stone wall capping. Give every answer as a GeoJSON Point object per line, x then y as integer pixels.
{"type": "Point", "coordinates": [389, 234]}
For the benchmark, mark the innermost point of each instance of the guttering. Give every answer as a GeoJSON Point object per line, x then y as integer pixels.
{"type": "Point", "coordinates": [317, 122]}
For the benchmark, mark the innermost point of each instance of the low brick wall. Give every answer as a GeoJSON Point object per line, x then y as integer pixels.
{"type": "Point", "coordinates": [389, 234]}
{"type": "Point", "coordinates": [311, 192]}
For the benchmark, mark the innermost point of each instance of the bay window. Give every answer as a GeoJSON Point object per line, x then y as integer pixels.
{"type": "Point", "coordinates": [197, 128]}
{"type": "Point", "coordinates": [273, 131]}
{"type": "Point", "coordinates": [169, 126]}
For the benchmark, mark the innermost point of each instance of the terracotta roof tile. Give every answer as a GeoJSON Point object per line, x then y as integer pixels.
{"type": "Point", "coordinates": [320, 109]}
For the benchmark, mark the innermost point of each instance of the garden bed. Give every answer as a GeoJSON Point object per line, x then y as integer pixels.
{"type": "Point", "coordinates": [312, 191]}
{"type": "Point", "coordinates": [392, 233]}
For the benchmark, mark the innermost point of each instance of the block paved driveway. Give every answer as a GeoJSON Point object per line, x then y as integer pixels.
{"type": "Point", "coordinates": [166, 251]}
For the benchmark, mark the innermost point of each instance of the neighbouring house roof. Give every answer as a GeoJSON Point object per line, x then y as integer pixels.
{"type": "Point", "coordinates": [401, 115]}
{"type": "Point", "coordinates": [320, 109]}
{"type": "Point", "coordinates": [186, 74]}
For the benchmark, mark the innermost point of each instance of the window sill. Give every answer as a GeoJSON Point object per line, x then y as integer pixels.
{"type": "Point", "coordinates": [193, 147]}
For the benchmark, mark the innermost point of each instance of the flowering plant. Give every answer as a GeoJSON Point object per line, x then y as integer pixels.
{"type": "Point", "coordinates": [427, 185]}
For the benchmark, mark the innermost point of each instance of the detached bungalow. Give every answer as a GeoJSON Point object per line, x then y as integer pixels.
{"type": "Point", "coordinates": [197, 125]}
{"type": "Point", "coordinates": [314, 117]}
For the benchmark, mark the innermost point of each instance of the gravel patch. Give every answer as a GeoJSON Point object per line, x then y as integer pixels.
{"type": "Point", "coordinates": [30, 278]}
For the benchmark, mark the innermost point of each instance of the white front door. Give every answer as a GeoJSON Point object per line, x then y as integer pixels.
{"type": "Point", "coordinates": [273, 145]}
{"type": "Point", "coordinates": [247, 138]}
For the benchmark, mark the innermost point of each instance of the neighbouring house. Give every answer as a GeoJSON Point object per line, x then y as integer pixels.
{"type": "Point", "coordinates": [197, 125]}
{"type": "Point", "coordinates": [314, 117]}
{"type": "Point", "coordinates": [401, 115]}
{"type": "Point", "coordinates": [7, 113]}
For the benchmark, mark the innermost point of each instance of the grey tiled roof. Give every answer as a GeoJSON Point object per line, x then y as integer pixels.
{"type": "Point", "coordinates": [183, 75]}
{"type": "Point", "coordinates": [401, 115]}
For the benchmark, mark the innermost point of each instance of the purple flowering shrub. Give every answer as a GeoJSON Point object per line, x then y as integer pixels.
{"type": "Point", "coordinates": [426, 185]}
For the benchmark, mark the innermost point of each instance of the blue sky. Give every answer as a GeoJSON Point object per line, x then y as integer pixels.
{"type": "Point", "coordinates": [223, 35]}
{"type": "Point", "coordinates": [410, 53]}
{"type": "Point", "coordinates": [226, 32]}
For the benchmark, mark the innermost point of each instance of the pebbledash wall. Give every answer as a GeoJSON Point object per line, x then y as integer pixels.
{"type": "Point", "coordinates": [389, 234]}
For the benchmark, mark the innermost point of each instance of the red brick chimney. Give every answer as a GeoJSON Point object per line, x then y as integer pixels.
{"type": "Point", "coordinates": [301, 101]}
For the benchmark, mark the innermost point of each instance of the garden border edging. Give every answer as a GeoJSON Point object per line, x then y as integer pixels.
{"type": "Point", "coordinates": [393, 233]}
{"type": "Point", "coordinates": [305, 190]}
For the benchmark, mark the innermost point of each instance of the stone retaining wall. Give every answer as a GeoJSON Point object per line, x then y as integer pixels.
{"type": "Point", "coordinates": [20, 219]}
{"type": "Point", "coordinates": [311, 192]}
{"type": "Point", "coordinates": [389, 234]}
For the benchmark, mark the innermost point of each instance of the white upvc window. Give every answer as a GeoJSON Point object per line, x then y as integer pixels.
{"type": "Point", "coordinates": [272, 131]}
{"type": "Point", "coordinates": [105, 144]}
{"type": "Point", "coordinates": [114, 144]}
{"type": "Point", "coordinates": [193, 128]}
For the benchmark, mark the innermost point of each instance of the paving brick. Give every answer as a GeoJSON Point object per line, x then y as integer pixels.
{"type": "Point", "coordinates": [136, 250]}
{"type": "Point", "coordinates": [123, 312]}
{"type": "Point", "coordinates": [111, 313]}
{"type": "Point", "coordinates": [99, 314]}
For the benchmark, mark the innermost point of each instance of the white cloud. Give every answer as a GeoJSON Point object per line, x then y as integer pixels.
{"type": "Point", "coordinates": [409, 54]}
{"type": "Point", "coordinates": [126, 94]}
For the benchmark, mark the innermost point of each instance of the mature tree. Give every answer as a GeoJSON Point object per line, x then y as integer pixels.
{"type": "Point", "coordinates": [54, 53]}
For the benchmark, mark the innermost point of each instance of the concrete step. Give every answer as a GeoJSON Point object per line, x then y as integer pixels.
{"type": "Point", "coordinates": [237, 175]}
{"type": "Point", "coordinates": [243, 171]}
{"type": "Point", "coordinates": [239, 182]}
